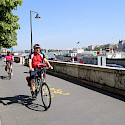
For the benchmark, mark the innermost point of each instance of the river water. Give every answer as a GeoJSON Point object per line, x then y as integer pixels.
{"type": "Point", "coordinates": [50, 55]}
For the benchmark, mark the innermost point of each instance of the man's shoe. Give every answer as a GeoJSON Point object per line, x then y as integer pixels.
{"type": "Point", "coordinates": [36, 92]}
{"type": "Point", "coordinates": [33, 95]}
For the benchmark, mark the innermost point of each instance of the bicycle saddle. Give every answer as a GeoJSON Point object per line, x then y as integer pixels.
{"type": "Point", "coordinates": [41, 65]}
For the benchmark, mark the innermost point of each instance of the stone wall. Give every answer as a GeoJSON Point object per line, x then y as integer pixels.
{"type": "Point", "coordinates": [97, 75]}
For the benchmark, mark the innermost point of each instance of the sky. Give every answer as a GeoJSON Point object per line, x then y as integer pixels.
{"type": "Point", "coordinates": [63, 23]}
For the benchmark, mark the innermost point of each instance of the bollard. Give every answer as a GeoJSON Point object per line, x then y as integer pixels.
{"type": "Point", "coordinates": [21, 60]}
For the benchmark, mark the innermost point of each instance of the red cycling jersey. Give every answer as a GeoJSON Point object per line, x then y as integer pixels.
{"type": "Point", "coordinates": [36, 59]}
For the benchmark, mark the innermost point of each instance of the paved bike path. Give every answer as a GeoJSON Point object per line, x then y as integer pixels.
{"type": "Point", "coordinates": [71, 104]}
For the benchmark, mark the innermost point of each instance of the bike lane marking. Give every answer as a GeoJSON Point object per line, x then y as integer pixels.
{"type": "Point", "coordinates": [57, 91]}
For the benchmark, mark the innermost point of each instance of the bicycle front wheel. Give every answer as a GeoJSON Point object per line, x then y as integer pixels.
{"type": "Point", "coordinates": [46, 96]}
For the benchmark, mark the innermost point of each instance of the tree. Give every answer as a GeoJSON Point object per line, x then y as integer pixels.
{"type": "Point", "coordinates": [8, 23]}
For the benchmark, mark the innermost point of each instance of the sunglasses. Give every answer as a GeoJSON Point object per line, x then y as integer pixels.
{"type": "Point", "coordinates": [36, 48]}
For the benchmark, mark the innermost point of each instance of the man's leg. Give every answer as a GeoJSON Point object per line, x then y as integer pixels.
{"type": "Point", "coordinates": [33, 88]}
{"type": "Point", "coordinates": [44, 76]}
{"type": "Point", "coordinates": [33, 85]}
{"type": "Point", "coordinates": [7, 66]}
{"type": "Point", "coordinates": [11, 67]}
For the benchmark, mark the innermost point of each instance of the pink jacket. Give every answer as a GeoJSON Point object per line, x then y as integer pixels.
{"type": "Point", "coordinates": [9, 58]}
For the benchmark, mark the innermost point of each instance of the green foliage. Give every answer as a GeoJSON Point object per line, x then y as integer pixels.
{"type": "Point", "coordinates": [86, 49]}
{"type": "Point", "coordinates": [98, 48]}
{"type": "Point", "coordinates": [53, 50]}
{"type": "Point", "coordinates": [8, 23]}
{"type": "Point", "coordinates": [115, 47]}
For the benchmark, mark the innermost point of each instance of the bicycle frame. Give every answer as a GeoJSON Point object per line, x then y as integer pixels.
{"type": "Point", "coordinates": [38, 75]}
{"type": "Point", "coordinates": [9, 68]}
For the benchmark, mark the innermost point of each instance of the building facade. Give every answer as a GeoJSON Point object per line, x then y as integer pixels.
{"type": "Point", "coordinates": [121, 46]}
{"type": "Point", "coordinates": [91, 47]}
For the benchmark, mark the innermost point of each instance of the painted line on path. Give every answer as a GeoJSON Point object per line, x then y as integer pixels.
{"type": "Point", "coordinates": [57, 91]}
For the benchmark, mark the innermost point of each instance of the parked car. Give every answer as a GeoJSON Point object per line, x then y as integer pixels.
{"type": "Point", "coordinates": [114, 65]}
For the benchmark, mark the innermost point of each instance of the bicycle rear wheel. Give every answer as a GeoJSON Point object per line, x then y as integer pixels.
{"type": "Point", "coordinates": [45, 95]}
{"type": "Point", "coordinates": [9, 73]}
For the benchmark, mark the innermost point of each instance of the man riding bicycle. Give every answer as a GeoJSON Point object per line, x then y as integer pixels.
{"type": "Point", "coordinates": [35, 58]}
{"type": "Point", "coordinates": [9, 60]}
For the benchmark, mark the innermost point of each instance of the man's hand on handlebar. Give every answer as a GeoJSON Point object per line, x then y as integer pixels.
{"type": "Point", "coordinates": [31, 69]}
{"type": "Point", "coordinates": [50, 67]}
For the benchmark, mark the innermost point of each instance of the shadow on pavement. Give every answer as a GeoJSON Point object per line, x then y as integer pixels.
{"type": "Point", "coordinates": [4, 65]}
{"type": "Point", "coordinates": [26, 72]}
{"type": "Point", "coordinates": [4, 77]}
{"type": "Point", "coordinates": [23, 100]}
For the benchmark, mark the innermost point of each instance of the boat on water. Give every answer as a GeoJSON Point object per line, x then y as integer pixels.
{"type": "Point", "coordinates": [74, 54]}
{"type": "Point", "coordinates": [88, 57]}
{"type": "Point", "coordinates": [63, 58]}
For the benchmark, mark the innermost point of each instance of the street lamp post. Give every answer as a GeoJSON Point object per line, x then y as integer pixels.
{"type": "Point", "coordinates": [37, 16]}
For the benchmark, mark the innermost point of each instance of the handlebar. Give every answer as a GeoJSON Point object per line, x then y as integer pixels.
{"type": "Point", "coordinates": [32, 73]}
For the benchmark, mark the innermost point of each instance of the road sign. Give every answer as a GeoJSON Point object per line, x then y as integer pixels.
{"type": "Point", "coordinates": [11, 49]}
{"type": "Point", "coordinates": [94, 53]}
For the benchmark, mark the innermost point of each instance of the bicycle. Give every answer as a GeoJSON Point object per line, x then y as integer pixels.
{"type": "Point", "coordinates": [40, 85]}
{"type": "Point", "coordinates": [9, 68]}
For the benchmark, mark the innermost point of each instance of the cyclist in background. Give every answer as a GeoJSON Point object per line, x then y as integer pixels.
{"type": "Point", "coordinates": [42, 51]}
{"type": "Point", "coordinates": [9, 59]}
{"type": "Point", "coordinates": [35, 58]}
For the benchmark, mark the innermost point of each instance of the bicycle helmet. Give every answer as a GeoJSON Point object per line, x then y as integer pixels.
{"type": "Point", "coordinates": [36, 46]}
{"type": "Point", "coordinates": [8, 52]}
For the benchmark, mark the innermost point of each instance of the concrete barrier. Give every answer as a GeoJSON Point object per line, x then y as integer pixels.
{"type": "Point", "coordinates": [107, 78]}
{"type": "Point", "coordinates": [16, 59]}
{"type": "Point", "coordinates": [19, 59]}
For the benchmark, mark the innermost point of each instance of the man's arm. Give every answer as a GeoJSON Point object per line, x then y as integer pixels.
{"type": "Point", "coordinates": [47, 62]}
{"type": "Point", "coordinates": [30, 65]}
{"type": "Point", "coordinates": [4, 59]}
{"type": "Point", "coordinates": [13, 58]}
